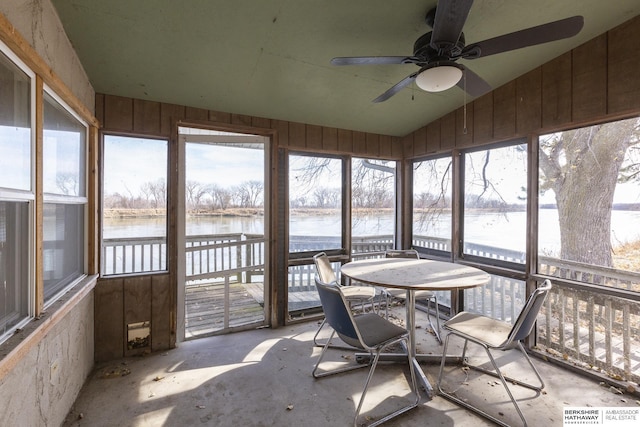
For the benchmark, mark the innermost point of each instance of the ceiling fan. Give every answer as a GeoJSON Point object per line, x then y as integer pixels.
{"type": "Point", "coordinates": [437, 51]}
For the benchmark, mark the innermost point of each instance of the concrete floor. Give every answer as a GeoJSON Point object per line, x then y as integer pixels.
{"type": "Point", "coordinates": [263, 378]}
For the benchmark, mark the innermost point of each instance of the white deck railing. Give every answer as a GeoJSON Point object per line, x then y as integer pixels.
{"type": "Point", "coordinates": [134, 255]}
{"type": "Point", "coordinates": [597, 329]}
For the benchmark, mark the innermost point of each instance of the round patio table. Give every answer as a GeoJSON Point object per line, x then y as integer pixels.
{"type": "Point", "coordinates": [412, 275]}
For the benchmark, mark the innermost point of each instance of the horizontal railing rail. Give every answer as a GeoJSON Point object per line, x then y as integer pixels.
{"type": "Point", "coordinates": [587, 273]}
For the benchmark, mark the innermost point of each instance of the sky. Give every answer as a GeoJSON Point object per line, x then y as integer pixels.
{"type": "Point", "coordinates": [222, 165]}
{"type": "Point", "coordinates": [15, 157]}
{"type": "Point", "coordinates": [131, 162]}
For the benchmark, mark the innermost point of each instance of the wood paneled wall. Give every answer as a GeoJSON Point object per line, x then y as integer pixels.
{"type": "Point", "coordinates": [595, 82]}
{"type": "Point", "coordinates": [126, 300]}
{"type": "Point", "coordinates": [135, 116]}
{"type": "Point", "coordinates": [122, 301]}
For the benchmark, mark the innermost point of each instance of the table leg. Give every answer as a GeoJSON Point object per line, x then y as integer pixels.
{"type": "Point", "coordinates": [410, 306]}
{"type": "Point", "coordinates": [411, 327]}
{"type": "Point", "coordinates": [417, 358]}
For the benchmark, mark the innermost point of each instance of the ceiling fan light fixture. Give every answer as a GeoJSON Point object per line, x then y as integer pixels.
{"type": "Point", "coordinates": [439, 77]}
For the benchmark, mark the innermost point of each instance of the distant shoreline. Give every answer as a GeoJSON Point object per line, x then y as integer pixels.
{"type": "Point", "coordinates": [120, 213]}
{"type": "Point", "coordinates": [231, 212]}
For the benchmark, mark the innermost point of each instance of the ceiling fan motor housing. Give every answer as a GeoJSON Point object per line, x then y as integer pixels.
{"type": "Point", "coordinates": [437, 51]}
{"type": "Point", "coordinates": [426, 54]}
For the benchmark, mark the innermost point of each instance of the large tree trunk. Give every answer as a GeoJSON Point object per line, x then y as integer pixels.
{"type": "Point", "coordinates": [582, 168]}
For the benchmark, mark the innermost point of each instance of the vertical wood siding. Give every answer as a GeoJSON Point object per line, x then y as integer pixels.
{"type": "Point", "coordinates": [597, 81]}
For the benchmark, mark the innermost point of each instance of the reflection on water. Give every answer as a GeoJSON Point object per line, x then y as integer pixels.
{"type": "Point", "coordinates": [156, 227]}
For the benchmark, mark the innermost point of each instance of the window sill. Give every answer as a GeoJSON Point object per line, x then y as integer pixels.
{"type": "Point", "coordinates": [12, 350]}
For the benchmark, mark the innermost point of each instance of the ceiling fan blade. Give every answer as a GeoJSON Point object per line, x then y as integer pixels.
{"type": "Point", "coordinates": [473, 84]}
{"type": "Point", "coordinates": [372, 60]}
{"type": "Point", "coordinates": [545, 33]}
{"type": "Point", "coordinates": [449, 20]}
{"type": "Point", "coordinates": [396, 88]}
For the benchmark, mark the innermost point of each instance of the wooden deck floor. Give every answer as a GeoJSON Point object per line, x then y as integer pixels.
{"type": "Point", "coordinates": [205, 306]}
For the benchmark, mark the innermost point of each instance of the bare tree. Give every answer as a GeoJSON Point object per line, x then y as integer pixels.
{"type": "Point", "coordinates": [147, 192]}
{"type": "Point", "coordinates": [195, 191]}
{"type": "Point", "coordinates": [311, 170]}
{"type": "Point", "coordinates": [298, 202]}
{"type": "Point", "coordinates": [372, 184]}
{"type": "Point", "coordinates": [159, 192]}
{"type": "Point", "coordinates": [321, 197]}
{"type": "Point", "coordinates": [67, 183]}
{"type": "Point", "coordinates": [221, 197]}
{"type": "Point", "coordinates": [429, 205]}
{"type": "Point", "coordinates": [250, 194]}
{"type": "Point", "coordinates": [334, 197]}
{"type": "Point", "coordinates": [116, 201]}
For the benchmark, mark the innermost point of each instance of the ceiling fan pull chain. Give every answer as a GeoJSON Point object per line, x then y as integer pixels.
{"type": "Point", "coordinates": [464, 109]}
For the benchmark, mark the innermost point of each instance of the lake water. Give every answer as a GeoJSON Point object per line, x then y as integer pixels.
{"type": "Point", "coordinates": [485, 228]}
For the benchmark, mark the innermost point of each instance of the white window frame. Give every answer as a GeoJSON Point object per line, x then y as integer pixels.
{"type": "Point", "coordinates": [75, 200]}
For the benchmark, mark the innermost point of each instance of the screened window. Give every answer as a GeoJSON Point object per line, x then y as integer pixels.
{"type": "Point", "coordinates": [432, 204]}
{"type": "Point", "coordinates": [315, 203]}
{"type": "Point", "coordinates": [372, 205]}
{"type": "Point", "coordinates": [134, 224]}
{"type": "Point", "coordinates": [64, 185]}
{"type": "Point", "coordinates": [16, 195]}
{"type": "Point", "coordinates": [495, 204]}
{"type": "Point", "coordinates": [14, 265]}
{"type": "Point", "coordinates": [589, 204]}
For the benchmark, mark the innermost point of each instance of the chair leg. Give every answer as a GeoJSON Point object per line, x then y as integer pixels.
{"type": "Point", "coordinates": [506, 387]}
{"type": "Point", "coordinates": [497, 374]}
{"type": "Point", "coordinates": [436, 328]}
{"type": "Point", "coordinates": [384, 296]}
{"type": "Point", "coordinates": [386, 307]}
{"type": "Point", "coordinates": [414, 388]}
{"type": "Point", "coordinates": [533, 368]}
{"type": "Point", "coordinates": [444, 357]}
{"type": "Point", "coordinates": [315, 337]}
{"type": "Point", "coordinates": [514, 380]}
{"type": "Point", "coordinates": [451, 396]}
{"type": "Point", "coordinates": [317, 374]}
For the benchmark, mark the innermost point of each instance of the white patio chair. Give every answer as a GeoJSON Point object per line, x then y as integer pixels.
{"type": "Point", "coordinates": [492, 334]}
